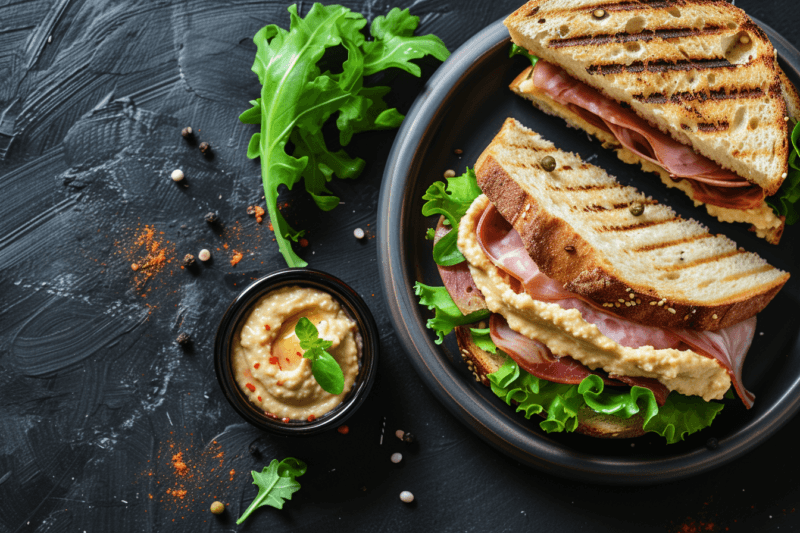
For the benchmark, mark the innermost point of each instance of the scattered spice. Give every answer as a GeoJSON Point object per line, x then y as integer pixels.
{"type": "Point", "coordinates": [147, 253]}
{"type": "Point", "coordinates": [179, 465]}
{"type": "Point", "coordinates": [311, 418]}
{"type": "Point", "coordinates": [266, 327]}
{"type": "Point", "coordinates": [212, 217]}
{"type": "Point", "coordinates": [344, 430]}
{"type": "Point", "coordinates": [303, 242]}
{"type": "Point", "coordinates": [250, 387]}
{"type": "Point", "coordinates": [188, 261]}
{"type": "Point", "coordinates": [232, 473]}
{"type": "Point", "coordinates": [259, 211]}
{"type": "Point", "coordinates": [236, 257]}
{"type": "Point", "coordinates": [205, 148]}
{"type": "Point", "coordinates": [251, 210]}
{"type": "Point", "coordinates": [134, 267]}
{"type": "Point", "coordinates": [204, 255]}
{"type": "Point", "coordinates": [187, 132]}
{"type": "Point", "coordinates": [217, 508]}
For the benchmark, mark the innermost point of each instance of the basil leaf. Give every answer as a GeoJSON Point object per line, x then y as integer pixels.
{"type": "Point", "coordinates": [328, 373]}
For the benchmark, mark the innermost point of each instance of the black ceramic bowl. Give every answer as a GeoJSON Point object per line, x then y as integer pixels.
{"type": "Point", "coordinates": [239, 310]}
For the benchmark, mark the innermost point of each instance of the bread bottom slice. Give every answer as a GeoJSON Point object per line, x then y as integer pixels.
{"type": "Point", "coordinates": [763, 220]}
{"type": "Point", "coordinates": [591, 423]}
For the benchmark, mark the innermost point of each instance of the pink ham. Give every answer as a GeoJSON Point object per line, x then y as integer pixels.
{"type": "Point", "coordinates": [712, 184]}
{"type": "Point", "coordinates": [504, 247]}
{"type": "Point", "coordinates": [537, 359]}
{"type": "Point", "coordinates": [458, 281]}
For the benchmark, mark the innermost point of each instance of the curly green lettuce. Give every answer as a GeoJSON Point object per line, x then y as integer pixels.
{"type": "Point", "coordinates": [447, 315]}
{"type": "Point", "coordinates": [784, 203]}
{"type": "Point", "coordinates": [298, 98]}
{"type": "Point", "coordinates": [679, 417]}
{"type": "Point", "coordinates": [451, 199]}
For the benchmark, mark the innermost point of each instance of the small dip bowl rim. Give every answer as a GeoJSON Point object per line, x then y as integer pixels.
{"type": "Point", "coordinates": [238, 311]}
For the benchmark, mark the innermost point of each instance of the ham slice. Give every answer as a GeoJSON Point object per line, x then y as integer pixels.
{"type": "Point", "coordinates": [458, 281]}
{"type": "Point", "coordinates": [537, 359]}
{"type": "Point", "coordinates": [504, 247]}
{"type": "Point", "coordinates": [711, 183]}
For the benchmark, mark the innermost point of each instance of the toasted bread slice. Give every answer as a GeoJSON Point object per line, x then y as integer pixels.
{"type": "Point", "coordinates": [590, 423]}
{"type": "Point", "coordinates": [577, 225]}
{"type": "Point", "coordinates": [700, 70]}
{"type": "Point", "coordinates": [764, 222]}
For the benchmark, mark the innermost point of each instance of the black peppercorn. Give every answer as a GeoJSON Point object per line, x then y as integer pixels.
{"type": "Point", "coordinates": [253, 449]}
{"type": "Point", "coordinates": [184, 339]}
{"type": "Point", "coordinates": [251, 210]}
{"type": "Point", "coordinates": [205, 148]}
{"type": "Point", "coordinates": [211, 217]}
{"type": "Point", "coordinates": [409, 438]}
{"type": "Point", "coordinates": [188, 261]}
{"type": "Point", "coordinates": [712, 443]}
{"type": "Point", "coordinates": [548, 163]}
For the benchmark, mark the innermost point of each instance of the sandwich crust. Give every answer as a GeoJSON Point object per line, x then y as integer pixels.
{"type": "Point", "coordinates": [563, 252]}
{"type": "Point", "coordinates": [699, 70]}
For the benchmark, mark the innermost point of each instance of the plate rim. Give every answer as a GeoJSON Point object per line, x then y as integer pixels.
{"type": "Point", "coordinates": [444, 380]}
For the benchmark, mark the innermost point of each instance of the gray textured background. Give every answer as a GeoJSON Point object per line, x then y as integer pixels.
{"type": "Point", "coordinates": [93, 391]}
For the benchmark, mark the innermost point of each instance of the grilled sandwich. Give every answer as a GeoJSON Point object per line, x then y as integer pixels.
{"type": "Point", "coordinates": [689, 89]}
{"type": "Point", "coordinates": [583, 283]}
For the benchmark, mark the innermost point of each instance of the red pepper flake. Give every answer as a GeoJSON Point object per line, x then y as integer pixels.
{"type": "Point", "coordinates": [344, 430]}
{"type": "Point", "coordinates": [273, 360]}
{"type": "Point", "coordinates": [303, 242]}
{"type": "Point", "coordinates": [260, 214]}
{"type": "Point", "coordinates": [237, 256]}
{"type": "Point", "coordinates": [256, 365]}
{"type": "Point", "coordinates": [251, 387]}
{"type": "Point", "coordinates": [134, 267]}
{"type": "Point", "coordinates": [279, 383]}
{"type": "Point", "coordinates": [285, 419]}
{"type": "Point", "coordinates": [298, 353]}
{"type": "Point", "coordinates": [311, 418]}
{"type": "Point", "coordinates": [259, 398]}
{"type": "Point", "coordinates": [266, 327]}
{"type": "Point", "coordinates": [287, 359]}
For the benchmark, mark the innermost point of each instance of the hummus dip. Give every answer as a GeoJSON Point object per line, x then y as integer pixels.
{"type": "Point", "coordinates": [268, 362]}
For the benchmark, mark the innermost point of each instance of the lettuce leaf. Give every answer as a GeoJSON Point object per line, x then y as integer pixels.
{"type": "Point", "coordinates": [518, 50]}
{"type": "Point", "coordinates": [447, 315]}
{"type": "Point", "coordinates": [451, 199]}
{"type": "Point", "coordinates": [297, 99]}
{"type": "Point", "coordinates": [483, 339]}
{"type": "Point", "coordinates": [784, 202]}
{"type": "Point", "coordinates": [678, 417]}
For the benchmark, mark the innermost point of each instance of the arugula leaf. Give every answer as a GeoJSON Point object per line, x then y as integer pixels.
{"type": "Point", "coordinates": [518, 50]}
{"type": "Point", "coordinates": [678, 417]}
{"type": "Point", "coordinates": [451, 200]}
{"type": "Point", "coordinates": [324, 367]}
{"type": "Point", "coordinates": [276, 483]}
{"type": "Point", "coordinates": [483, 339]}
{"type": "Point", "coordinates": [784, 202]}
{"type": "Point", "coordinates": [447, 314]}
{"type": "Point", "coordinates": [297, 99]}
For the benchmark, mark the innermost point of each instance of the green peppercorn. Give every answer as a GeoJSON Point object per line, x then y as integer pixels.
{"type": "Point", "coordinates": [637, 209]}
{"type": "Point", "coordinates": [548, 163]}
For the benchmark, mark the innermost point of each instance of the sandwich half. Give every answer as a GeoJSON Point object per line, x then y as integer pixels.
{"type": "Point", "coordinates": [586, 302]}
{"type": "Point", "coordinates": [688, 89]}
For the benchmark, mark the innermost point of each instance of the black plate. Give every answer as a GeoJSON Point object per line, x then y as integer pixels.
{"type": "Point", "coordinates": [463, 106]}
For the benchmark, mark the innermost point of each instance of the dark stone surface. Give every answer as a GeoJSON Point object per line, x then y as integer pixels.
{"type": "Point", "coordinates": [95, 395]}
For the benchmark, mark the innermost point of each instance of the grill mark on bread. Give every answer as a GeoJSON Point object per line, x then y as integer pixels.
{"type": "Point", "coordinates": [676, 242]}
{"type": "Point", "coordinates": [644, 36]}
{"type": "Point", "coordinates": [660, 66]}
{"type": "Point", "coordinates": [638, 5]}
{"type": "Point", "coordinates": [711, 128]}
{"type": "Point", "coordinates": [698, 262]}
{"type": "Point", "coordinates": [702, 96]}
{"type": "Point", "coordinates": [740, 275]}
{"type": "Point", "coordinates": [638, 225]}
{"type": "Point", "coordinates": [594, 208]}
{"type": "Point", "coordinates": [569, 188]}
